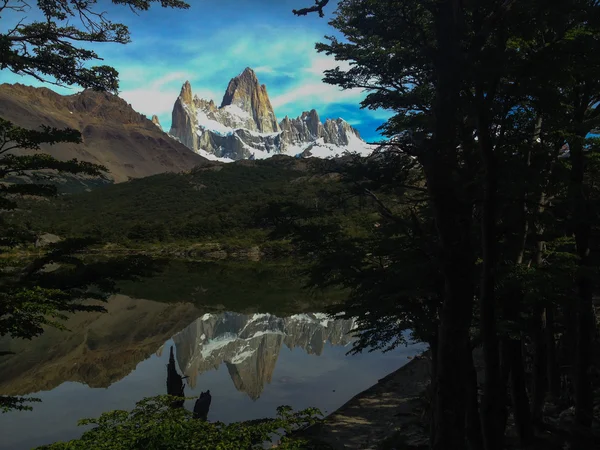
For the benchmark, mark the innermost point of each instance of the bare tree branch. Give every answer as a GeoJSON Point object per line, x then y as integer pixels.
{"type": "Point", "coordinates": [319, 5]}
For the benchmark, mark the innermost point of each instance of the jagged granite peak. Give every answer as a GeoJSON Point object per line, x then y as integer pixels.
{"type": "Point", "coordinates": [249, 345]}
{"type": "Point", "coordinates": [206, 105]}
{"type": "Point", "coordinates": [183, 121]}
{"type": "Point", "coordinates": [245, 92]}
{"type": "Point", "coordinates": [186, 93]}
{"type": "Point", "coordinates": [308, 127]}
{"type": "Point", "coordinates": [156, 122]}
{"type": "Point", "coordinates": [313, 123]}
{"type": "Point", "coordinates": [245, 126]}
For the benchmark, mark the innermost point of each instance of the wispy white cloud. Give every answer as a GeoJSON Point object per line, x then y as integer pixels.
{"type": "Point", "coordinates": [354, 122]}
{"type": "Point", "coordinates": [380, 114]}
{"type": "Point", "coordinates": [285, 61]}
{"type": "Point", "coordinates": [281, 51]}
{"type": "Point", "coordinates": [320, 63]}
{"type": "Point", "coordinates": [158, 95]}
{"type": "Point", "coordinates": [316, 93]}
{"type": "Point", "coordinates": [264, 69]}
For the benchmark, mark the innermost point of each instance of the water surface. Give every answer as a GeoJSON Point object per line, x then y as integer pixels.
{"type": "Point", "coordinates": [251, 362]}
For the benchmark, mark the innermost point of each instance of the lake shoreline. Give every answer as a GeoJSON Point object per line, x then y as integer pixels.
{"type": "Point", "coordinates": [387, 410]}
{"type": "Point", "coordinates": [205, 250]}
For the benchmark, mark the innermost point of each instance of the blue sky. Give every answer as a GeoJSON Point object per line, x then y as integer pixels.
{"type": "Point", "coordinates": [214, 41]}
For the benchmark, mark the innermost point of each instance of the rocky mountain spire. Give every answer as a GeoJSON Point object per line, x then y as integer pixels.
{"type": "Point", "coordinates": [313, 123]}
{"type": "Point", "coordinates": [308, 126]}
{"type": "Point", "coordinates": [244, 125]}
{"type": "Point", "coordinates": [186, 93]}
{"type": "Point", "coordinates": [156, 122]}
{"type": "Point", "coordinates": [245, 92]}
{"type": "Point", "coordinates": [183, 120]}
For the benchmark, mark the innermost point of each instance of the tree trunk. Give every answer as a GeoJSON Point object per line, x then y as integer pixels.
{"type": "Point", "coordinates": [539, 385]}
{"type": "Point", "coordinates": [473, 419]}
{"type": "Point", "coordinates": [505, 361]}
{"type": "Point", "coordinates": [454, 223]}
{"type": "Point", "coordinates": [493, 391]}
{"type": "Point", "coordinates": [433, 346]}
{"type": "Point", "coordinates": [553, 374]}
{"type": "Point", "coordinates": [540, 382]}
{"type": "Point", "coordinates": [569, 344]}
{"type": "Point", "coordinates": [520, 400]}
{"type": "Point", "coordinates": [512, 358]}
{"type": "Point", "coordinates": [450, 392]}
{"type": "Point", "coordinates": [584, 311]}
{"type": "Point", "coordinates": [453, 216]}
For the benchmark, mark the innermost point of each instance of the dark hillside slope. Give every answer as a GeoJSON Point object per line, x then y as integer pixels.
{"type": "Point", "coordinates": [114, 135]}
{"type": "Point", "coordinates": [212, 202]}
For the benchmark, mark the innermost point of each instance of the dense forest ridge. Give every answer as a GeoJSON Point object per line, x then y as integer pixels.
{"type": "Point", "coordinates": [244, 126]}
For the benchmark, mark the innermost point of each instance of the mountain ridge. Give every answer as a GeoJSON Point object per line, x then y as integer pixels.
{"type": "Point", "coordinates": [245, 126]}
{"type": "Point", "coordinates": [113, 133]}
{"type": "Point", "coordinates": [99, 350]}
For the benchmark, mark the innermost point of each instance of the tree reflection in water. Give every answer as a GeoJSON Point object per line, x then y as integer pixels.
{"type": "Point", "coordinates": [176, 388]}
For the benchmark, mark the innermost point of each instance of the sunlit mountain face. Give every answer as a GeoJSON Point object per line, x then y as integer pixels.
{"type": "Point", "coordinates": [249, 345]}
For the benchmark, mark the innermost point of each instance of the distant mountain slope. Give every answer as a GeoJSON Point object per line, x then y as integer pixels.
{"type": "Point", "coordinates": [245, 126]}
{"type": "Point", "coordinates": [114, 135]}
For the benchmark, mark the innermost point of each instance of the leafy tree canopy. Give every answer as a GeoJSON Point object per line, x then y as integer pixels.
{"type": "Point", "coordinates": [154, 424]}
{"type": "Point", "coordinates": [49, 49]}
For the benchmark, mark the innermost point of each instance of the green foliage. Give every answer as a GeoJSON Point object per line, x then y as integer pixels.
{"type": "Point", "coordinates": [38, 293]}
{"type": "Point", "coordinates": [231, 203]}
{"type": "Point", "coordinates": [12, 138]}
{"type": "Point", "coordinates": [47, 50]}
{"type": "Point", "coordinates": [153, 424]}
{"type": "Point", "coordinates": [375, 238]}
{"type": "Point", "coordinates": [487, 97]}
{"type": "Point", "coordinates": [35, 294]}
{"type": "Point", "coordinates": [20, 137]}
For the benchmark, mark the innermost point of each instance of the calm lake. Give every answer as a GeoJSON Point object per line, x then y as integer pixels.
{"type": "Point", "coordinates": [252, 361]}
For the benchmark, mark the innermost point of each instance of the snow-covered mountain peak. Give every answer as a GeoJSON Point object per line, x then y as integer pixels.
{"type": "Point", "coordinates": [245, 126]}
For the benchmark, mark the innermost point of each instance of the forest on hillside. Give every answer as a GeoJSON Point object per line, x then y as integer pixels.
{"type": "Point", "coordinates": [234, 202]}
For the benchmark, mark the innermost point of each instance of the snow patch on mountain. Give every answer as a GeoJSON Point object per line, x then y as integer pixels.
{"type": "Point", "coordinates": [245, 126]}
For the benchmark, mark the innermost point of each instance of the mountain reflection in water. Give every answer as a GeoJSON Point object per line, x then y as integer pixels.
{"type": "Point", "coordinates": [251, 363]}
{"type": "Point", "coordinates": [249, 345]}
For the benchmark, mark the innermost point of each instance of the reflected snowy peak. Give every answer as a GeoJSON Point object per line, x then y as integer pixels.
{"type": "Point", "coordinates": [249, 345]}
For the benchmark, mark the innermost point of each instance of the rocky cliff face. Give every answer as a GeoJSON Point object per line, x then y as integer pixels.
{"type": "Point", "coordinates": [245, 126]}
{"type": "Point", "coordinates": [246, 93]}
{"type": "Point", "coordinates": [249, 345]}
{"type": "Point", "coordinates": [113, 133]}
{"type": "Point", "coordinates": [308, 128]}
{"type": "Point", "coordinates": [182, 120]}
